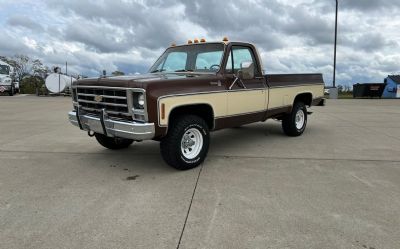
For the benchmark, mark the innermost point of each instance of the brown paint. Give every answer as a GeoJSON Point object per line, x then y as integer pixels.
{"type": "Point", "coordinates": [162, 84]}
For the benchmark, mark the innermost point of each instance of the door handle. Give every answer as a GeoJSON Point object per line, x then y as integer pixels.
{"type": "Point", "coordinates": [213, 83]}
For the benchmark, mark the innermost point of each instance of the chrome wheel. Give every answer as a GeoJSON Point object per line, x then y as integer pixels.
{"type": "Point", "coordinates": [191, 143]}
{"type": "Point", "coordinates": [299, 119]}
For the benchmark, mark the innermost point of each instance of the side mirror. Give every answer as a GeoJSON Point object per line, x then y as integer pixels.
{"type": "Point", "coordinates": [246, 70]}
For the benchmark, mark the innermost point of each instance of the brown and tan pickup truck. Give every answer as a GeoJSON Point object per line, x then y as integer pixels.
{"type": "Point", "coordinates": [190, 90]}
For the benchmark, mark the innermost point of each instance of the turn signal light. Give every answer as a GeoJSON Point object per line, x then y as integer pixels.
{"type": "Point", "coordinates": [163, 111]}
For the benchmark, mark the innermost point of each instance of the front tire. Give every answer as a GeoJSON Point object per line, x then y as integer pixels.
{"type": "Point", "coordinates": [186, 144]}
{"type": "Point", "coordinates": [294, 123]}
{"type": "Point", "coordinates": [113, 143]}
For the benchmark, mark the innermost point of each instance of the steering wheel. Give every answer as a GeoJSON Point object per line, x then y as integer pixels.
{"type": "Point", "coordinates": [216, 67]}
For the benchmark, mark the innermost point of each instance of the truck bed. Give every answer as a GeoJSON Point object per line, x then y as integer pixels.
{"type": "Point", "coordinates": [282, 80]}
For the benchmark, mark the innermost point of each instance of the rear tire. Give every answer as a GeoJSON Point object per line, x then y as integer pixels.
{"type": "Point", "coordinates": [113, 143]}
{"type": "Point", "coordinates": [186, 144]}
{"type": "Point", "coordinates": [294, 123]}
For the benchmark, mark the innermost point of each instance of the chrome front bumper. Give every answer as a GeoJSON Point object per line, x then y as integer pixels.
{"type": "Point", "coordinates": [112, 128]}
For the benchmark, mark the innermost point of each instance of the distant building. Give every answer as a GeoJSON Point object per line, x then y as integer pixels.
{"type": "Point", "coordinates": [368, 90]}
{"type": "Point", "coordinates": [392, 89]}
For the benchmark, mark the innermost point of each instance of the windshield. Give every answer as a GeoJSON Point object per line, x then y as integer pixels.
{"type": "Point", "coordinates": [4, 69]}
{"type": "Point", "coordinates": [191, 58]}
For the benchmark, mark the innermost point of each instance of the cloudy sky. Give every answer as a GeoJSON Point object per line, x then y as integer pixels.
{"type": "Point", "coordinates": [293, 36]}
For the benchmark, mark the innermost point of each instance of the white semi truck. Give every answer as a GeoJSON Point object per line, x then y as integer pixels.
{"type": "Point", "coordinates": [7, 83]}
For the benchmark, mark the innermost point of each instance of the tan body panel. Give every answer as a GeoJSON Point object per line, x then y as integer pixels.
{"type": "Point", "coordinates": [238, 102]}
{"type": "Point", "coordinates": [247, 101]}
{"type": "Point", "coordinates": [217, 100]}
{"type": "Point", "coordinates": [284, 96]}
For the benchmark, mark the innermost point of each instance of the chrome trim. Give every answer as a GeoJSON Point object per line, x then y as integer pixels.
{"type": "Point", "coordinates": [113, 128]}
{"type": "Point", "coordinates": [139, 111]}
{"type": "Point", "coordinates": [101, 103]}
{"type": "Point", "coordinates": [128, 97]}
{"type": "Point", "coordinates": [108, 87]}
{"type": "Point", "coordinates": [129, 100]}
{"type": "Point", "coordinates": [279, 107]}
{"type": "Point", "coordinates": [104, 96]}
{"type": "Point", "coordinates": [240, 114]}
{"type": "Point", "coordinates": [298, 85]}
{"type": "Point", "coordinates": [109, 112]}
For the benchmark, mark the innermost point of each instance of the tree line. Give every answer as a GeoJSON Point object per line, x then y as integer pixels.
{"type": "Point", "coordinates": [31, 73]}
{"type": "Point", "coordinates": [25, 66]}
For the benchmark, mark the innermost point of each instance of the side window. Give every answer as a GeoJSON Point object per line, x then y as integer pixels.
{"type": "Point", "coordinates": [240, 54]}
{"type": "Point", "coordinates": [175, 61]}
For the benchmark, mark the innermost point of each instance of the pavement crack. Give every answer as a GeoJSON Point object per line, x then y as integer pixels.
{"type": "Point", "coordinates": [215, 156]}
{"type": "Point", "coordinates": [190, 206]}
{"type": "Point", "coordinates": [304, 158]}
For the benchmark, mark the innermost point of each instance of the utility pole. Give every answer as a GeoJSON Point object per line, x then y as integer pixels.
{"type": "Point", "coordinates": [333, 92]}
{"type": "Point", "coordinates": [334, 60]}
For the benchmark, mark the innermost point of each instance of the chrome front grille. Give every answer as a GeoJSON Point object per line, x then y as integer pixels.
{"type": "Point", "coordinates": [113, 101]}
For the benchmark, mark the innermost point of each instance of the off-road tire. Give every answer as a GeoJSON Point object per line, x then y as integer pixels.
{"type": "Point", "coordinates": [289, 120]}
{"type": "Point", "coordinates": [170, 145]}
{"type": "Point", "coordinates": [113, 143]}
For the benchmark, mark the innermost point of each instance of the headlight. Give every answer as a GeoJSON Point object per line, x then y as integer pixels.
{"type": "Point", "coordinates": [139, 106]}
{"type": "Point", "coordinates": [138, 100]}
{"type": "Point", "coordinates": [141, 99]}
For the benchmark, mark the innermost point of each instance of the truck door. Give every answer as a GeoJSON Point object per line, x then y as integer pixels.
{"type": "Point", "coordinates": [246, 98]}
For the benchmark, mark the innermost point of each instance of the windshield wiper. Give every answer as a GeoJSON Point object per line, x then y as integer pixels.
{"type": "Point", "coordinates": [183, 70]}
{"type": "Point", "coordinates": [157, 70]}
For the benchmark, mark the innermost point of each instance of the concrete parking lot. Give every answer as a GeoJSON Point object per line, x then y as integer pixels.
{"type": "Point", "coordinates": [337, 186]}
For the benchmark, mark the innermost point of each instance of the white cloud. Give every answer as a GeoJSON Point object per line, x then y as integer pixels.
{"type": "Point", "coordinates": [292, 36]}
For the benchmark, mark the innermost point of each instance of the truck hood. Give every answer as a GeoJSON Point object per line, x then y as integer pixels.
{"type": "Point", "coordinates": [141, 80]}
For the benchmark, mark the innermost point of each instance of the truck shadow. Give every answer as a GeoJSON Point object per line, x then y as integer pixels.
{"type": "Point", "coordinates": [145, 156]}
{"type": "Point", "coordinates": [246, 136]}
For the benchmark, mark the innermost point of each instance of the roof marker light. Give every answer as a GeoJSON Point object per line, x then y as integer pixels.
{"type": "Point", "coordinates": [203, 40]}
{"type": "Point", "coordinates": [196, 40]}
{"type": "Point", "coordinates": [225, 39]}
{"type": "Point", "coordinates": [190, 42]}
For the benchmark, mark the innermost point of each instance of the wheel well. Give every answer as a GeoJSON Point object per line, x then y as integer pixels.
{"type": "Point", "coordinates": [204, 111]}
{"type": "Point", "coordinates": [306, 98]}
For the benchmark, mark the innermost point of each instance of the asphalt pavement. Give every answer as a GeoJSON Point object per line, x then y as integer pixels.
{"type": "Point", "coordinates": [337, 186]}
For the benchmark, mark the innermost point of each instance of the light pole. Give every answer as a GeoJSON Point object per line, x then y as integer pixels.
{"type": "Point", "coordinates": [333, 92]}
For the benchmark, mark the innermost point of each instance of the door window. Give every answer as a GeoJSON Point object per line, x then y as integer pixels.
{"type": "Point", "coordinates": [240, 54]}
